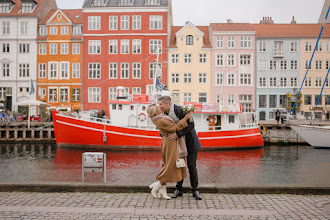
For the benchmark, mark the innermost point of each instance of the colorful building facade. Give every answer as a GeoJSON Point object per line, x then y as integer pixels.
{"type": "Point", "coordinates": [59, 59]}
{"type": "Point", "coordinates": [189, 68]}
{"type": "Point", "coordinates": [121, 41]}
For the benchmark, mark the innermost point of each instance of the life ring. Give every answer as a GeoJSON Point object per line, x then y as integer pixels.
{"type": "Point", "coordinates": [262, 129]}
{"type": "Point", "coordinates": [142, 116]}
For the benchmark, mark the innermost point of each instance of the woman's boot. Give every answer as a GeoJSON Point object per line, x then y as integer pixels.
{"type": "Point", "coordinates": [155, 188]}
{"type": "Point", "coordinates": [163, 193]}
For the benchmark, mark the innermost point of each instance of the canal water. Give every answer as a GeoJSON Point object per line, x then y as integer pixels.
{"type": "Point", "coordinates": [271, 165]}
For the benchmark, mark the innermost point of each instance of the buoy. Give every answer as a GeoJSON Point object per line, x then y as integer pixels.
{"type": "Point", "coordinates": [262, 129]}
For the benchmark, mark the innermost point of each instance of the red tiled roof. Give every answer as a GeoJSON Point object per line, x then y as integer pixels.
{"type": "Point", "coordinates": [70, 13]}
{"type": "Point", "coordinates": [17, 8]}
{"type": "Point", "coordinates": [204, 29]}
{"type": "Point", "coordinates": [291, 30]}
{"type": "Point", "coordinates": [231, 27]}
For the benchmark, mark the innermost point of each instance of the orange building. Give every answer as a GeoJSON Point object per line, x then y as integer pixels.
{"type": "Point", "coordinates": [59, 59]}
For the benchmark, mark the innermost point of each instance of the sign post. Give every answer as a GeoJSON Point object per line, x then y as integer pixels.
{"type": "Point", "coordinates": [93, 162]}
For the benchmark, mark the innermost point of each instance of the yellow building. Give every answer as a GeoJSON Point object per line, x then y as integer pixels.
{"type": "Point", "coordinates": [189, 64]}
{"type": "Point", "coordinates": [317, 73]}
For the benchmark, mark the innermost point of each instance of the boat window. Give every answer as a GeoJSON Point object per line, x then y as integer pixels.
{"type": "Point", "coordinates": [114, 106]}
{"type": "Point", "coordinates": [143, 108]}
{"type": "Point", "coordinates": [120, 107]}
{"type": "Point", "coordinates": [132, 107]}
{"type": "Point", "coordinates": [231, 119]}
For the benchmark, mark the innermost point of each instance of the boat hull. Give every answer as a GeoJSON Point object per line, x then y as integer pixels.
{"type": "Point", "coordinates": [73, 132]}
{"type": "Point", "coordinates": [316, 136]}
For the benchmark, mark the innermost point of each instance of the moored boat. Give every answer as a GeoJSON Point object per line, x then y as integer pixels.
{"type": "Point", "coordinates": [316, 136]}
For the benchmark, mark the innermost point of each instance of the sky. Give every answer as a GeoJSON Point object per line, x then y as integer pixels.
{"type": "Point", "coordinates": [204, 12]}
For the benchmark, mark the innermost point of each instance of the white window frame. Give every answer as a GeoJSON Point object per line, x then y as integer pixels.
{"type": "Point", "coordinates": [53, 30]}
{"type": "Point", "coordinates": [136, 74]}
{"type": "Point", "coordinates": [64, 30]}
{"type": "Point", "coordinates": [187, 78]}
{"type": "Point", "coordinates": [94, 47]}
{"type": "Point", "coordinates": [231, 41]}
{"type": "Point", "coordinates": [64, 48]}
{"type": "Point", "coordinates": [202, 77]}
{"type": "Point", "coordinates": [5, 27]}
{"type": "Point", "coordinates": [76, 48]}
{"type": "Point", "coordinates": [112, 93]}
{"type": "Point", "coordinates": [5, 69]}
{"type": "Point", "coordinates": [124, 46]}
{"type": "Point", "coordinates": [219, 59]}
{"type": "Point", "coordinates": [231, 79]}
{"type": "Point", "coordinates": [113, 22]}
{"type": "Point", "coordinates": [136, 91]}
{"type": "Point", "coordinates": [113, 46]}
{"type": "Point", "coordinates": [75, 94]}
{"type": "Point", "coordinates": [94, 22]}
{"type": "Point", "coordinates": [64, 70]}
{"type": "Point", "coordinates": [124, 70]}
{"type": "Point", "coordinates": [75, 70]}
{"type": "Point", "coordinates": [245, 42]}
{"type": "Point", "coordinates": [65, 94]}
{"type": "Point", "coordinates": [113, 70]}
{"type": "Point", "coordinates": [293, 46]}
{"type": "Point", "coordinates": [262, 46]}
{"type": "Point", "coordinates": [42, 49]}
{"type": "Point", "coordinates": [24, 70]}
{"type": "Point", "coordinates": [53, 73]}
{"type": "Point", "coordinates": [155, 22]}
{"type": "Point", "coordinates": [175, 78]}
{"type": "Point", "coordinates": [43, 31]}
{"type": "Point", "coordinates": [262, 82]}
{"type": "Point", "coordinates": [94, 70]}
{"type": "Point", "coordinates": [202, 58]}
{"type": "Point", "coordinates": [53, 49]}
{"type": "Point", "coordinates": [124, 22]}
{"type": "Point", "coordinates": [187, 58]}
{"type": "Point", "coordinates": [136, 46]}
{"type": "Point", "coordinates": [51, 97]}
{"type": "Point", "coordinates": [94, 95]}
{"type": "Point", "coordinates": [219, 79]}
{"type": "Point", "coordinates": [231, 59]}
{"type": "Point", "coordinates": [187, 97]}
{"type": "Point", "coordinates": [175, 58]}
{"type": "Point", "coordinates": [24, 28]}
{"type": "Point", "coordinates": [219, 42]}
{"type": "Point", "coordinates": [153, 44]}
{"type": "Point", "coordinates": [231, 99]}
{"type": "Point", "coordinates": [42, 70]}
{"type": "Point", "coordinates": [136, 22]}
{"type": "Point", "coordinates": [245, 59]}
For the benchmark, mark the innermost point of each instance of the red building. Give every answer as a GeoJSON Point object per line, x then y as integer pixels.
{"type": "Point", "coordinates": [120, 42]}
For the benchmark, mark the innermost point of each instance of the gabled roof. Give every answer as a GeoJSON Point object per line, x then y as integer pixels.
{"type": "Point", "coordinates": [231, 27]}
{"type": "Point", "coordinates": [18, 5]}
{"type": "Point", "coordinates": [204, 29]}
{"type": "Point", "coordinates": [74, 15]}
{"type": "Point", "coordinates": [291, 30]}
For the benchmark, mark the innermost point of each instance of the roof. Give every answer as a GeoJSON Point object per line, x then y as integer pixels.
{"type": "Point", "coordinates": [70, 13]}
{"type": "Point", "coordinates": [291, 30]}
{"type": "Point", "coordinates": [231, 27]}
{"type": "Point", "coordinates": [204, 29]}
{"type": "Point", "coordinates": [115, 3]}
{"type": "Point", "coordinates": [18, 5]}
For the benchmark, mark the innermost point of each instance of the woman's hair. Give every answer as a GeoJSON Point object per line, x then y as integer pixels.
{"type": "Point", "coordinates": [152, 110]}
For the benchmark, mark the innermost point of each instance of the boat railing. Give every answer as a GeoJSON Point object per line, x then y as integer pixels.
{"type": "Point", "coordinates": [248, 120]}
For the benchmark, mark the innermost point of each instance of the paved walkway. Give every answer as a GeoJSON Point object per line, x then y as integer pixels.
{"type": "Point", "coordinates": [27, 205]}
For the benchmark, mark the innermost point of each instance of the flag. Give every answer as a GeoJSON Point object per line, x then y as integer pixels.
{"type": "Point", "coordinates": [32, 88]}
{"type": "Point", "coordinates": [159, 85]}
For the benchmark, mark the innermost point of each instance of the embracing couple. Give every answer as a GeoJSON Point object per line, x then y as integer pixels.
{"type": "Point", "coordinates": [179, 140]}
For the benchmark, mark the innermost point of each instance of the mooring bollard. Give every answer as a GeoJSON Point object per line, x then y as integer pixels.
{"type": "Point", "coordinates": [94, 162]}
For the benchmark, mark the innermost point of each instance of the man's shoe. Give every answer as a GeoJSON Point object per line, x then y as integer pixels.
{"type": "Point", "coordinates": [197, 195]}
{"type": "Point", "coordinates": [176, 193]}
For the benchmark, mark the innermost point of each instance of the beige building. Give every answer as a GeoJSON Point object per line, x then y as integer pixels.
{"type": "Point", "coordinates": [317, 73]}
{"type": "Point", "coordinates": [189, 64]}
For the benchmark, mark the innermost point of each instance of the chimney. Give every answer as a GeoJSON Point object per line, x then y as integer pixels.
{"type": "Point", "coordinates": [267, 20]}
{"type": "Point", "coordinates": [293, 21]}
{"type": "Point", "coordinates": [229, 21]}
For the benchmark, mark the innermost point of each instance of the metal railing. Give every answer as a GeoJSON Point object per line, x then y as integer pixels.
{"type": "Point", "coordinates": [248, 120]}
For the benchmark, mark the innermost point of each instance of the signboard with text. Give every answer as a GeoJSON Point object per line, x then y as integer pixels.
{"type": "Point", "coordinates": [140, 98]}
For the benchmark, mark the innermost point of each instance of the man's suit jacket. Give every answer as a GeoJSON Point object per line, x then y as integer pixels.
{"type": "Point", "coordinates": [192, 141]}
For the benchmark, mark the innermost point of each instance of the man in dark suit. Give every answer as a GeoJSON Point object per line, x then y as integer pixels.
{"type": "Point", "coordinates": [192, 143]}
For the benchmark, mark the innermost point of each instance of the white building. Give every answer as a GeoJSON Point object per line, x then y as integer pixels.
{"type": "Point", "coordinates": [18, 49]}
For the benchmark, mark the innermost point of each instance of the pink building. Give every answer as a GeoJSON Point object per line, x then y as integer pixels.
{"type": "Point", "coordinates": [233, 65]}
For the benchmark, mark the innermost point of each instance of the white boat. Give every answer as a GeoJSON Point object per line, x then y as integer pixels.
{"type": "Point", "coordinates": [317, 136]}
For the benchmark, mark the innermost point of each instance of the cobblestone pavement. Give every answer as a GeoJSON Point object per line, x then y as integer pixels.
{"type": "Point", "coordinates": [28, 205]}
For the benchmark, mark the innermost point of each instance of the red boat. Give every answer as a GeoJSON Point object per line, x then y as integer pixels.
{"type": "Point", "coordinates": [129, 128]}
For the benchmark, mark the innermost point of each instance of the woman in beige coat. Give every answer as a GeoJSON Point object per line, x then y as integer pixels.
{"type": "Point", "coordinates": [171, 150]}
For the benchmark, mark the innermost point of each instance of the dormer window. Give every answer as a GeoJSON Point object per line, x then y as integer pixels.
{"type": "Point", "coordinates": [4, 7]}
{"type": "Point", "coordinates": [190, 40]}
{"type": "Point", "coordinates": [28, 6]}
{"type": "Point", "coordinates": [125, 2]}
{"type": "Point", "coordinates": [152, 2]}
{"type": "Point", "coordinates": [99, 2]}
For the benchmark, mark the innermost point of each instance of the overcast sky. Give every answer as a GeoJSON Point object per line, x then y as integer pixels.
{"type": "Point", "coordinates": [204, 12]}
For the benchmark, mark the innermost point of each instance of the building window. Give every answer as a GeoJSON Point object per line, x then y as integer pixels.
{"type": "Point", "coordinates": [94, 47]}
{"type": "Point", "coordinates": [187, 78]}
{"type": "Point", "coordinates": [318, 65]}
{"type": "Point", "coordinates": [113, 46]}
{"type": "Point", "coordinates": [136, 46]}
{"type": "Point", "coordinates": [42, 70]}
{"type": "Point", "coordinates": [245, 79]}
{"type": "Point", "coordinates": [52, 94]}
{"type": "Point", "coordinates": [152, 2]}
{"type": "Point", "coordinates": [175, 77]}
{"type": "Point", "coordinates": [156, 22]}
{"type": "Point", "coordinates": [42, 49]}
{"type": "Point", "coordinates": [136, 71]}
{"type": "Point", "coordinates": [319, 47]}
{"type": "Point", "coordinates": [113, 70]}
{"type": "Point", "coordinates": [64, 94]}
{"type": "Point", "coordinates": [75, 70]}
{"type": "Point", "coordinates": [53, 49]}
{"type": "Point", "coordinates": [219, 79]}
{"type": "Point", "coordinates": [262, 101]}
{"type": "Point", "coordinates": [187, 58]}
{"type": "Point", "coordinates": [283, 101]}
{"type": "Point", "coordinates": [5, 28]}
{"type": "Point", "coordinates": [175, 58]}
{"type": "Point", "coordinates": [231, 59]}
{"type": "Point", "coordinates": [294, 64]}
{"type": "Point", "coordinates": [124, 46]}
{"type": "Point", "coordinates": [42, 91]}
{"type": "Point", "coordinates": [124, 22]}
{"type": "Point", "coordinates": [94, 95]}
{"type": "Point", "coordinates": [231, 79]}
{"type": "Point", "coordinates": [327, 64]}
{"type": "Point", "coordinates": [307, 99]}
{"type": "Point", "coordinates": [64, 70]}
{"type": "Point", "coordinates": [262, 82]}
{"type": "Point", "coordinates": [77, 30]}
{"type": "Point", "coordinates": [5, 48]}
{"type": "Point", "coordinates": [65, 48]}
{"type": "Point", "coordinates": [75, 48]}
{"type": "Point", "coordinates": [231, 99]}
{"type": "Point", "coordinates": [283, 82]}
{"type": "Point", "coordinates": [4, 8]}
{"type": "Point", "coordinates": [245, 42]}
{"type": "Point", "coordinates": [53, 30]}
{"type": "Point", "coordinates": [136, 90]}
{"type": "Point", "coordinates": [152, 70]}
{"type": "Point", "coordinates": [24, 48]}
{"type": "Point", "coordinates": [262, 65]}
{"type": "Point", "coordinates": [245, 59]}
{"type": "Point", "coordinates": [318, 81]}
{"type": "Point", "coordinates": [24, 70]}
{"type": "Point", "coordinates": [125, 70]}
{"type": "Point", "coordinates": [43, 31]}
{"type": "Point", "coordinates": [273, 82]}
{"type": "Point", "coordinates": [272, 101]}
{"type": "Point", "coordinates": [262, 46]}
{"type": "Point", "coordinates": [294, 46]}
{"type": "Point", "coordinates": [5, 69]}
{"type": "Point", "coordinates": [24, 28]}
{"type": "Point", "coordinates": [53, 68]}
{"type": "Point", "coordinates": [27, 7]}
{"type": "Point", "coordinates": [64, 30]}
{"type": "Point", "coordinates": [283, 65]}
{"type": "Point", "coordinates": [154, 46]}
{"type": "Point", "coordinates": [202, 78]}
{"type": "Point", "coordinates": [75, 95]}
{"type": "Point", "coordinates": [219, 42]}
{"type": "Point", "coordinates": [112, 93]}
{"type": "Point", "coordinates": [308, 65]}
{"type": "Point", "coordinates": [94, 23]}
{"type": "Point", "coordinates": [113, 22]}
{"type": "Point", "coordinates": [294, 82]}
{"type": "Point", "coordinates": [231, 42]}
{"type": "Point", "coordinates": [308, 46]}
{"type": "Point", "coordinates": [219, 61]}
{"type": "Point", "coordinates": [189, 40]}
{"type": "Point", "coordinates": [308, 82]}
{"type": "Point", "coordinates": [187, 97]}
{"type": "Point", "coordinates": [246, 102]}
{"type": "Point", "coordinates": [202, 97]}
{"type": "Point", "coordinates": [202, 58]}
{"type": "Point", "coordinates": [272, 64]}
{"type": "Point", "coordinates": [94, 71]}
{"type": "Point", "coordinates": [136, 22]}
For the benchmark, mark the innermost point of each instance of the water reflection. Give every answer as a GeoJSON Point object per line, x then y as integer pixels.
{"type": "Point", "coordinates": [270, 165]}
